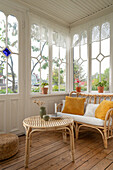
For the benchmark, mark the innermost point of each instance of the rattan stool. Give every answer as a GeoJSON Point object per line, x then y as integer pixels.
{"type": "Point", "coordinates": [9, 144]}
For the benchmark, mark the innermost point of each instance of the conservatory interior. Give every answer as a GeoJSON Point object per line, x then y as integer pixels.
{"type": "Point", "coordinates": [55, 56]}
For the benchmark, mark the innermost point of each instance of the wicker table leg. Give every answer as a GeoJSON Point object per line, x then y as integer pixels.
{"type": "Point", "coordinates": [27, 147]}
{"type": "Point", "coordinates": [64, 136]}
{"type": "Point", "coordinates": [72, 142]}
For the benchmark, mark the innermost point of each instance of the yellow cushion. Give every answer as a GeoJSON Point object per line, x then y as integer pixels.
{"type": "Point", "coordinates": [74, 105]}
{"type": "Point", "coordinates": [102, 109]}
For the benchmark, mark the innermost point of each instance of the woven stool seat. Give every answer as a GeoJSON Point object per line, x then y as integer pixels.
{"type": "Point", "coordinates": [9, 144]}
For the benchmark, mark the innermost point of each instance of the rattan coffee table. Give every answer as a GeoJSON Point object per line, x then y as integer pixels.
{"type": "Point", "coordinates": [35, 123]}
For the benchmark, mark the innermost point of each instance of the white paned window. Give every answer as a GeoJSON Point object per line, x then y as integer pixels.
{"type": "Point", "coordinates": [80, 60]}
{"type": "Point", "coordinates": [8, 54]}
{"type": "Point", "coordinates": [100, 55]}
{"type": "Point", "coordinates": [98, 64]}
{"type": "Point", "coordinates": [46, 68]}
{"type": "Point", "coordinates": [39, 57]}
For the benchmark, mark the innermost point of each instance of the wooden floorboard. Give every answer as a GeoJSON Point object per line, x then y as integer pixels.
{"type": "Point", "coordinates": [49, 152]}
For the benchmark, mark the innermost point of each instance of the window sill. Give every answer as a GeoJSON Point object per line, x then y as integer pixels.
{"type": "Point", "coordinates": [96, 93]}
{"type": "Point", "coordinates": [48, 95]}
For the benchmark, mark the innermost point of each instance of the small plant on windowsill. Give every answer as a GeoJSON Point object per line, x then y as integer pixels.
{"type": "Point", "coordinates": [78, 85]}
{"type": "Point", "coordinates": [44, 88]}
{"type": "Point", "coordinates": [101, 86]}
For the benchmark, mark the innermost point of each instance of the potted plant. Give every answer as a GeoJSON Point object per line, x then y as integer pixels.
{"type": "Point", "coordinates": [101, 85]}
{"type": "Point", "coordinates": [78, 87]}
{"type": "Point", "coordinates": [44, 88]}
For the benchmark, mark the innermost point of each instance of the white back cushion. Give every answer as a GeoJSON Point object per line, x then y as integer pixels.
{"type": "Point", "coordinates": [90, 110]}
{"type": "Point", "coordinates": [63, 102]}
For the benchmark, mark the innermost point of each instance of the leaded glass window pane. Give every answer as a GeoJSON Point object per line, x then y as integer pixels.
{"type": "Point", "coordinates": [39, 57]}
{"type": "Point", "coordinates": [101, 56]}
{"type": "Point", "coordinates": [9, 54]}
{"type": "Point", "coordinates": [13, 33]}
{"type": "Point", "coordinates": [2, 30]}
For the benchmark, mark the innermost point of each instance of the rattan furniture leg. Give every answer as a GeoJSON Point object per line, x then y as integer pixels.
{"type": "Point", "coordinates": [36, 124]}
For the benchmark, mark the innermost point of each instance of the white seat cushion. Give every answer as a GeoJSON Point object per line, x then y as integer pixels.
{"type": "Point", "coordinates": [85, 119]}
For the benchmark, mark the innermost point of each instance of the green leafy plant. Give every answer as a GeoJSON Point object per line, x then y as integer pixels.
{"type": "Point", "coordinates": [44, 84]}
{"type": "Point", "coordinates": [102, 83]}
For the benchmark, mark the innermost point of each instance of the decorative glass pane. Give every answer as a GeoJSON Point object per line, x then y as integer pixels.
{"type": "Point", "coordinates": [2, 30]}
{"type": "Point", "coordinates": [2, 74]}
{"type": "Point", "coordinates": [35, 41]}
{"type": "Point", "coordinates": [13, 73]}
{"type": "Point", "coordinates": [96, 34]}
{"type": "Point", "coordinates": [95, 74]}
{"type": "Point", "coordinates": [76, 52]}
{"type": "Point", "coordinates": [75, 40]}
{"type": "Point", "coordinates": [100, 57]}
{"type": "Point", "coordinates": [6, 52]}
{"type": "Point", "coordinates": [105, 47]}
{"type": "Point", "coordinates": [35, 32]}
{"type": "Point", "coordinates": [105, 30]}
{"type": "Point", "coordinates": [62, 77]}
{"type": "Point", "coordinates": [105, 68]}
{"type": "Point", "coordinates": [55, 38]}
{"type": "Point", "coordinates": [13, 33]}
{"type": "Point", "coordinates": [44, 34]}
{"type": "Point", "coordinates": [84, 38]}
{"type": "Point", "coordinates": [84, 52]}
{"type": "Point", "coordinates": [55, 77]}
{"type": "Point", "coordinates": [80, 61]}
{"type": "Point", "coordinates": [95, 49]}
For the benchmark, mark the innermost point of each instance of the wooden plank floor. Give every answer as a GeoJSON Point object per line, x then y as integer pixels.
{"type": "Point", "coordinates": [49, 152]}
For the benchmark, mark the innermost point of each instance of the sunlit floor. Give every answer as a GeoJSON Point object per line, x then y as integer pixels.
{"type": "Point", "coordinates": [49, 152]}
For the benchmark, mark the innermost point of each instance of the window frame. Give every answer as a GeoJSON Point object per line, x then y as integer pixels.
{"type": "Point", "coordinates": [8, 13]}
{"type": "Point", "coordinates": [89, 59]}
{"type": "Point", "coordinates": [50, 31]}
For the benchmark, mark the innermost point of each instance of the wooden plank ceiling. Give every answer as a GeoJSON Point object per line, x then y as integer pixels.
{"type": "Point", "coordinates": [69, 11]}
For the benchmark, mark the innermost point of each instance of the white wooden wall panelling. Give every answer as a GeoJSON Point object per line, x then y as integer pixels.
{"type": "Point", "coordinates": [2, 116]}
{"type": "Point", "coordinates": [14, 115]}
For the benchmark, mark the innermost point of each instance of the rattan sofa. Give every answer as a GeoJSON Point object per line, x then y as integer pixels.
{"type": "Point", "coordinates": [105, 127]}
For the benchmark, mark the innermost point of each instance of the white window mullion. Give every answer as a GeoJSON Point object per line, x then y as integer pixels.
{"type": "Point", "coordinates": [7, 57]}
{"type": "Point", "coordinates": [50, 69]}
{"type": "Point", "coordinates": [100, 53]}
{"type": "Point", "coordinates": [59, 73]}
{"type": "Point", "coordinates": [50, 61]}
{"type": "Point", "coordinates": [89, 63]}
{"type": "Point", "coordinates": [100, 71]}
{"type": "Point", "coordinates": [40, 77]}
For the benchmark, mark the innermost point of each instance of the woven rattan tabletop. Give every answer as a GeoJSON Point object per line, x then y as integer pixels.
{"type": "Point", "coordinates": [37, 122]}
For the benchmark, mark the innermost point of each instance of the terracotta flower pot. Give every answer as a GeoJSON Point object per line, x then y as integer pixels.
{"type": "Point", "coordinates": [100, 89]}
{"type": "Point", "coordinates": [44, 90]}
{"type": "Point", "coordinates": [78, 89]}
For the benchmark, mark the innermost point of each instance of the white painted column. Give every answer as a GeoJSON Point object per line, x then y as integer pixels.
{"type": "Point", "coordinates": [111, 59]}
